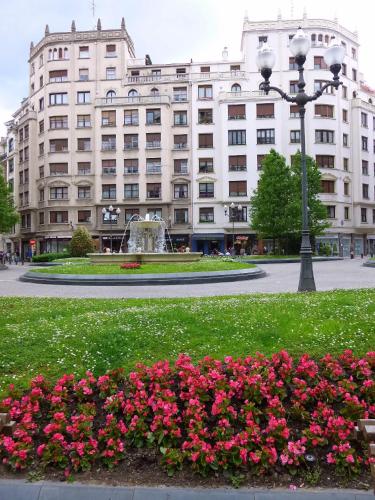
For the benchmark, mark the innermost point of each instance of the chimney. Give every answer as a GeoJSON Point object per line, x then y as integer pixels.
{"type": "Point", "coordinates": [225, 54]}
{"type": "Point", "coordinates": [73, 27]}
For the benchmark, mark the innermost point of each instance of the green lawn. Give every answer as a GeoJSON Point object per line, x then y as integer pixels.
{"type": "Point", "coordinates": [55, 336]}
{"type": "Point", "coordinates": [176, 267]}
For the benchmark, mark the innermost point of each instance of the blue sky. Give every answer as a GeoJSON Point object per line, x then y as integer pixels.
{"type": "Point", "coordinates": [168, 30]}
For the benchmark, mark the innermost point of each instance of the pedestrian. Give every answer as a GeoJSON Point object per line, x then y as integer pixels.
{"type": "Point", "coordinates": [16, 258]}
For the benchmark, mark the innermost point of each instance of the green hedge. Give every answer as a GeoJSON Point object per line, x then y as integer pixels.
{"type": "Point", "coordinates": [48, 257]}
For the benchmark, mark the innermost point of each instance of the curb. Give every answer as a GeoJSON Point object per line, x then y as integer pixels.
{"type": "Point", "coordinates": [369, 263]}
{"type": "Point", "coordinates": [289, 261]}
{"type": "Point", "coordinates": [143, 279]}
{"type": "Point", "coordinates": [44, 490]}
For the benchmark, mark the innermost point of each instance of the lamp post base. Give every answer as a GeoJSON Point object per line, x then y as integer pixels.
{"type": "Point", "coordinates": [306, 277]}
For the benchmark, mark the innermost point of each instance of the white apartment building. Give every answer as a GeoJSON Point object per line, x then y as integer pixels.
{"type": "Point", "coordinates": [182, 141]}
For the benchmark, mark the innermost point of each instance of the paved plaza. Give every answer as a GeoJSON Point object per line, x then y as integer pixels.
{"type": "Point", "coordinates": [280, 278]}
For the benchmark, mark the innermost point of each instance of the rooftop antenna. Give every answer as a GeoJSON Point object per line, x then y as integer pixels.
{"type": "Point", "coordinates": [292, 9]}
{"type": "Point", "coordinates": [93, 10]}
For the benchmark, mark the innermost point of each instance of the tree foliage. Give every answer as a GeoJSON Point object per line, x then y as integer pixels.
{"type": "Point", "coordinates": [8, 214]}
{"type": "Point", "coordinates": [81, 243]}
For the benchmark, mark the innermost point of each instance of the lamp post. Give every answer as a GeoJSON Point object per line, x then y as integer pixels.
{"type": "Point", "coordinates": [334, 56]}
{"type": "Point", "coordinates": [110, 210]}
{"type": "Point", "coordinates": [234, 210]}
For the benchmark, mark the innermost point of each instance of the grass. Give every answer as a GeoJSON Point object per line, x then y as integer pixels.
{"type": "Point", "coordinates": [176, 267]}
{"type": "Point", "coordinates": [56, 336]}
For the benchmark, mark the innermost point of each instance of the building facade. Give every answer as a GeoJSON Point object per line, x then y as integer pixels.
{"type": "Point", "coordinates": [101, 127]}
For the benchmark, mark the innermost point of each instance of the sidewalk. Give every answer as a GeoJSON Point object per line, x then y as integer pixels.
{"type": "Point", "coordinates": [21, 490]}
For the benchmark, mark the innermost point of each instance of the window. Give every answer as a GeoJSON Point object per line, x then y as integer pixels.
{"type": "Point", "coordinates": [84, 216]}
{"type": "Point", "coordinates": [110, 96]}
{"type": "Point", "coordinates": [41, 126]}
{"type": "Point", "coordinates": [108, 118]}
{"type": "Point", "coordinates": [181, 216]}
{"type": "Point", "coordinates": [84, 168]}
{"type": "Point", "coordinates": [325, 161]}
{"type": "Point", "coordinates": [131, 117]}
{"type": "Point", "coordinates": [40, 60]}
{"type": "Point", "coordinates": [110, 50]}
{"type": "Point", "coordinates": [83, 52]}
{"type": "Point", "coordinates": [180, 117]}
{"type": "Point", "coordinates": [237, 163]}
{"type": "Point", "coordinates": [204, 91]}
{"type": "Point", "coordinates": [331, 211]}
{"type": "Point", "coordinates": [130, 141]}
{"type": "Point", "coordinates": [84, 144]}
{"type": "Point", "coordinates": [83, 97]}
{"type": "Point", "coordinates": [236, 111]}
{"type": "Point", "coordinates": [181, 72]}
{"type": "Point", "coordinates": [58, 99]}
{"type": "Point", "coordinates": [181, 166]}
{"type": "Point", "coordinates": [354, 53]}
{"type": "Point", "coordinates": [58, 193]}
{"type": "Point", "coordinates": [41, 194]}
{"type": "Point", "coordinates": [363, 214]}
{"type": "Point", "coordinates": [346, 164]}
{"type": "Point", "coordinates": [58, 168]}
{"type": "Point", "coordinates": [133, 93]}
{"type": "Point", "coordinates": [206, 165]}
{"type": "Point", "coordinates": [131, 166]}
{"type": "Point", "coordinates": [365, 191]}
{"type": "Point", "coordinates": [205, 69]}
{"type": "Point", "coordinates": [58, 145]}
{"type": "Point", "coordinates": [346, 213]}
{"type": "Point", "coordinates": [83, 121]}
{"type": "Point", "coordinates": [205, 116]}
{"type": "Point", "coordinates": [26, 175]}
{"type": "Point", "coordinates": [154, 212]}
{"type": "Point", "coordinates": [206, 214]}
{"type": "Point", "coordinates": [293, 87]}
{"type": "Point", "coordinates": [156, 74]}
{"type": "Point", "coordinates": [354, 74]}
{"type": "Point", "coordinates": [108, 191]}
{"type": "Point", "coordinates": [266, 136]}
{"type": "Point", "coordinates": [41, 172]}
{"type": "Point", "coordinates": [153, 190]}
{"type": "Point", "coordinates": [153, 165]}
{"type": "Point", "coordinates": [108, 142]}
{"type": "Point", "coordinates": [153, 117]}
{"type": "Point", "coordinates": [373, 215]}
{"type": "Point", "coordinates": [236, 137]}
{"type": "Point", "coordinates": [57, 76]}
{"type": "Point", "coordinates": [235, 88]}
{"type": "Point", "coordinates": [153, 141]}
{"type": "Point", "coordinates": [41, 104]}
{"type": "Point", "coordinates": [294, 111]}
{"type": "Point", "coordinates": [295, 136]}
{"type": "Point", "coordinates": [364, 167]}
{"type": "Point", "coordinates": [319, 63]}
{"type": "Point", "coordinates": [327, 186]}
{"type": "Point", "coordinates": [109, 167]}
{"type": "Point", "coordinates": [206, 190]}
{"type": "Point", "coordinates": [83, 75]}
{"type": "Point", "coordinates": [292, 63]}
{"type": "Point", "coordinates": [84, 192]}
{"type": "Point", "coordinates": [180, 191]}
{"type": "Point", "coordinates": [205, 141]}
{"type": "Point", "coordinates": [41, 218]}
{"type": "Point", "coordinates": [237, 188]}
{"type": "Point", "coordinates": [345, 115]}
{"type": "Point", "coordinates": [180, 94]}
{"type": "Point", "coordinates": [235, 67]}
{"type": "Point", "coordinates": [265, 110]}
{"type": "Point", "coordinates": [346, 188]}
{"type": "Point", "coordinates": [129, 213]}
{"type": "Point", "coordinates": [364, 121]}
{"type": "Point", "coordinates": [131, 191]}
{"type": "Point", "coordinates": [57, 122]}
{"type": "Point", "coordinates": [345, 140]}
{"type": "Point", "coordinates": [344, 92]}
{"type": "Point", "coordinates": [11, 165]}
{"type": "Point", "coordinates": [344, 70]}
{"type": "Point", "coordinates": [324, 136]}
{"type": "Point", "coordinates": [262, 39]}
{"type": "Point", "coordinates": [324, 110]}
{"type": "Point", "coordinates": [58, 217]}
{"type": "Point", "coordinates": [236, 215]}
{"type": "Point", "coordinates": [110, 73]}
{"type": "Point", "coordinates": [364, 142]}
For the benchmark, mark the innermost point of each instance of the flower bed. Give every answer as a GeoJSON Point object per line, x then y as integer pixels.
{"type": "Point", "coordinates": [259, 414]}
{"type": "Point", "coordinates": [130, 265]}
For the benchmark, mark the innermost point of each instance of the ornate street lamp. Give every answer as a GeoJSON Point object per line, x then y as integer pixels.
{"type": "Point", "coordinates": [110, 210]}
{"type": "Point", "coordinates": [234, 210]}
{"type": "Point", "coordinates": [334, 56]}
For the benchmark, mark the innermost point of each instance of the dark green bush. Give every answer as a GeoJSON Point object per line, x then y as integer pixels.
{"type": "Point", "coordinates": [48, 257]}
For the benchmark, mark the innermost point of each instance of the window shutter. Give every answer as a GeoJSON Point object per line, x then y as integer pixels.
{"type": "Point", "coordinates": [205, 140]}
{"type": "Point", "coordinates": [266, 109]}
{"type": "Point", "coordinates": [153, 137]}
{"type": "Point", "coordinates": [235, 110]}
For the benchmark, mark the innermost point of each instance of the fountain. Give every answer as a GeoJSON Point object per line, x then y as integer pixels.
{"type": "Point", "coordinates": [147, 243]}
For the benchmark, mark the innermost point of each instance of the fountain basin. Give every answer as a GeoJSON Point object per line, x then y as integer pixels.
{"type": "Point", "coordinates": [119, 258]}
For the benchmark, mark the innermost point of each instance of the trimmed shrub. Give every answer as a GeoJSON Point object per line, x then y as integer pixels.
{"type": "Point", "coordinates": [49, 257]}
{"type": "Point", "coordinates": [81, 243]}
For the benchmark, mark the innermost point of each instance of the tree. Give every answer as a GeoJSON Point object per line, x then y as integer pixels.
{"type": "Point", "coordinates": [8, 214]}
{"type": "Point", "coordinates": [270, 203]}
{"type": "Point", "coordinates": [317, 211]}
{"type": "Point", "coordinates": [81, 243]}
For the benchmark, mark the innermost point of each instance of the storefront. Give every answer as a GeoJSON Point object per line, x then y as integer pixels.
{"type": "Point", "coordinates": [208, 243]}
{"type": "Point", "coordinates": [105, 242]}
{"type": "Point", "coordinates": [371, 244]}
{"type": "Point", "coordinates": [179, 241]}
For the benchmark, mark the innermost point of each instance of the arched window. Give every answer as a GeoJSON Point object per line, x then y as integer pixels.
{"type": "Point", "coordinates": [133, 93]}
{"type": "Point", "coordinates": [236, 88]}
{"type": "Point", "coordinates": [313, 37]}
{"type": "Point", "coordinates": [60, 53]}
{"type": "Point", "coordinates": [155, 91]}
{"type": "Point", "coordinates": [66, 53]}
{"type": "Point", "coordinates": [110, 95]}
{"type": "Point", "coordinates": [54, 54]}
{"type": "Point", "coordinates": [50, 54]}
{"type": "Point", "coordinates": [370, 101]}
{"type": "Point", "coordinates": [326, 39]}
{"type": "Point", "coordinates": [320, 38]}
{"type": "Point", "coordinates": [354, 94]}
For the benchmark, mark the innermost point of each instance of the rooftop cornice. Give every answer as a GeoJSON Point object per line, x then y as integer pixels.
{"type": "Point", "coordinates": [82, 36]}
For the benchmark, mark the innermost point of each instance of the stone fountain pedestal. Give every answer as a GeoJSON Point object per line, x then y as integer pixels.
{"type": "Point", "coordinates": [142, 257]}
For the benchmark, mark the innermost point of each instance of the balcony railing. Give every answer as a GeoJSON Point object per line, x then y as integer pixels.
{"type": "Point", "coordinates": [134, 100]}
{"type": "Point", "coordinates": [247, 95]}
{"type": "Point", "coordinates": [185, 77]}
{"type": "Point", "coordinates": [153, 145]}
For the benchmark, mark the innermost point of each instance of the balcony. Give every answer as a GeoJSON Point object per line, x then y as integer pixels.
{"type": "Point", "coordinates": [180, 145]}
{"type": "Point", "coordinates": [153, 169]}
{"type": "Point", "coordinates": [185, 77]}
{"type": "Point", "coordinates": [246, 95]}
{"type": "Point", "coordinates": [132, 101]}
{"type": "Point", "coordinates": [153, 144]}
